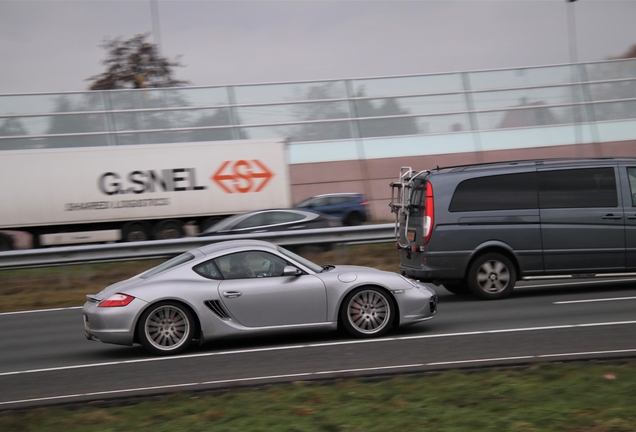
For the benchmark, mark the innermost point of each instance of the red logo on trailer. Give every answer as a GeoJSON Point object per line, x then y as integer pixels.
{"type": "Point", "coordinates": [242, 176]}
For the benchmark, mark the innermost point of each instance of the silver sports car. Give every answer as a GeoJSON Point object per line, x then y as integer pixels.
{"type": "Point", "coordinates": [245, 286]}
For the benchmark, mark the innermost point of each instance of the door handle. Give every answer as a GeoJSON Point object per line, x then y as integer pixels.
{"type": "Point", "coordinates": [631, 217]}
{"type": "Point", "coordinates": [612, 216]}
{"type": "Point", "coordinates": [232, 294]}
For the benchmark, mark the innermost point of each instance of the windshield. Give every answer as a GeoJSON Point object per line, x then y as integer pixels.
{"type": "Point", "coordinates": [307, 203]}
{"type": "Point", "coordinates": [178, 260]}
{"type": "Point", "coordinates": [313, 267]}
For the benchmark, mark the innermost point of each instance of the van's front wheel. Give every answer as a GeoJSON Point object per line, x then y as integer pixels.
{"type": "Point", "coordinates": [491, 276]}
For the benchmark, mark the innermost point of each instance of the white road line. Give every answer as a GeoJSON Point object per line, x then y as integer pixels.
{"type": "Point", "coordinates": [40, 310]}
{"type": "Point", "coordinates": [595, 300]}
{"type": "Point", "coordinates": [580, 282]}
{"type": "Point", "coordinates": [304, 374]}
{"type": "Point", "coordinates": [316, 345]}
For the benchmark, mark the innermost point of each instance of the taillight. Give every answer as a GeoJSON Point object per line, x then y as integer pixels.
{"type": "Point", "coordinates": [116, 300]}
{"type": "Point", "coordinates": [429, 212]}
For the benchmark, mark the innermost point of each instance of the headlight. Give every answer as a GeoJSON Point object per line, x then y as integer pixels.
{"type": "Point", "coordinates": [412, 282]}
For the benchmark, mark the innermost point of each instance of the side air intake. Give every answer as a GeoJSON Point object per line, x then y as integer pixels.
{"type": "Point", "coordinates": [216, 307]}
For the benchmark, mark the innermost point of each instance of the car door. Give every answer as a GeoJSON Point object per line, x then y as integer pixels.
{"type": "Point", "coordinates": [582, 223]}
{"type": "Point", "coordinates": [268, 298]}
{"type": "Point", "coordinates": [628, 192]}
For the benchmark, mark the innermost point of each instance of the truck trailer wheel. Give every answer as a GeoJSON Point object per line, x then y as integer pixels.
{"type": "Point", "coordinates": [169, 229]}
{"type": "Point", "coordinates": [135, 231]}
{"type": "Point", "coordinates": [6, 242]}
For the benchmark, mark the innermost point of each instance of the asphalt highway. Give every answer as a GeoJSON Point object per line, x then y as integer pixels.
{"type": "Point", "coordinates": [45, 359]}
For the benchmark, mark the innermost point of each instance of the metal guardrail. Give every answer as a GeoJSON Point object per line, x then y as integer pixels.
{"type": "Point", "coordinates": [166, 248]}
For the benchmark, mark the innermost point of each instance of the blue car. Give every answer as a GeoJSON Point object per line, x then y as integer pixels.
{"type": "Point", "coordinates": [351, 208]}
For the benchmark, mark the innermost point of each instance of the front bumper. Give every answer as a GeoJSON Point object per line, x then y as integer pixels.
{"type": "Point", "coordinates": [417, 304]}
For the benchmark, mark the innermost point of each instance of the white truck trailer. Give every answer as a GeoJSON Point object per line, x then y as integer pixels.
{"type": "Point", "coordinates": [135, 192]}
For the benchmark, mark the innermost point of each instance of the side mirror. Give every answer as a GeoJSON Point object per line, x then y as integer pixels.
{"type": "Point", "coordinates": [291, 271]}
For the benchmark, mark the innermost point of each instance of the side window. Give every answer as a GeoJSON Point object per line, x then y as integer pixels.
{"type": "Point", "coordinates": [631, 173]}
{"type": "Point", "coordinates": [501, 192]}
{"type": "Point", "coordinates": [208, 270]}
{"type": "Point", "coordinates": [277, 217]}
{"type": "Point", "coordinates": [578, 188]}
{"type": "Point", "coordinates": [252, 221]}
{"type": "Point", "coordinates": [320, 202]}
{"type": "Point", "coordinates": [341, 200]}
{"type": "Point", "coordinates": [250, 264]}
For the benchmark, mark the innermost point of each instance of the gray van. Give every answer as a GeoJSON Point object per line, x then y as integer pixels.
{"type": "Point", "coordinates": [480, 228]}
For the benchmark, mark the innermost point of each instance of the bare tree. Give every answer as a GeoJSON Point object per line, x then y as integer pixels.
{"type": "Point", "coordinates": [135, 63]}
{"type": "Point", "coordinates": [630, 53]}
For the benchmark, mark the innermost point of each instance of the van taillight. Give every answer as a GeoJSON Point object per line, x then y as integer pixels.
{"type": "Point", "coordinates": [429, 212]}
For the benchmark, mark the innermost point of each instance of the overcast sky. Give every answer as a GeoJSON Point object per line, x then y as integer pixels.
{"type": "Point", "coordinates": [52, 46]}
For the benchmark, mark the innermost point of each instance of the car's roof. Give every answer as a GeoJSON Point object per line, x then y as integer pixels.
{"type": "Point", "coordinates": [336, 194]}
{"type": "Point", "coordinates": [235, 244]}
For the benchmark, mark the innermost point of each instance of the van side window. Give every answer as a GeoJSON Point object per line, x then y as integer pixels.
{"type": "Point", "coordinates": [578, 188]}
{"type": "Point", "coordinates": [501, 192]}
{"type": "Point", "coordinates": [631, 173]}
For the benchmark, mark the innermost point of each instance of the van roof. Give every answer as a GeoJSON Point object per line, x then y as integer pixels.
{"type": "Point", "coordinates": [531, 162]}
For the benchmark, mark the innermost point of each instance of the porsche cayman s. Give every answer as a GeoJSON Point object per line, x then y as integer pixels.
{"type": "Point", "coordinates": [246, 286]}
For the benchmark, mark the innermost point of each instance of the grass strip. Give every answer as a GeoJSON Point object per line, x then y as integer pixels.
{"type": "Point", "coordinates": [570, 397]}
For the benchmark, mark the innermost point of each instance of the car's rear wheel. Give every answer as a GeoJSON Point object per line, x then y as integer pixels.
{"type": "Point", "coordinates": [366, 312]}
{"type": "Point", "coordinates": [166, 328]}
{"type": "Point", "coordinates": [491, 276]}
{"type": "Point", "coordinates": [353, 219]}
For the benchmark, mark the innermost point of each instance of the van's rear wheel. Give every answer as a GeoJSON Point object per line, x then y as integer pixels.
{"type": "Point", "coordinates": [492, 276]}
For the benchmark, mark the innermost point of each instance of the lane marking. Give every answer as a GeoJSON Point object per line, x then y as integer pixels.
{"type": "Point", "coordinates": [315, 345]}
{"type": "Point", "coordinates": [479, 360]}
{"type": "Point", "coordinates": [584, 282]}
{"type": "Point", "coordinates": [305, 374]}
{"type": "Point", "coordinates": [40, 310]}
{"type": "Point", "coordinates": [595, 300]}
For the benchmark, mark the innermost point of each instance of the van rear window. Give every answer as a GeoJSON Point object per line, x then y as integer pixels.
{"type": "Point", "coordinates": [500, 192]}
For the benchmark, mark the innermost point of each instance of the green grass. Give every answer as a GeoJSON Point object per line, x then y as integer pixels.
{"type": "Point", "coordinates": [548, 397]}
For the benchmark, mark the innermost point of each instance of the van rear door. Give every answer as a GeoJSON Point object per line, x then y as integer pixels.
{"type": "Point", "coordinates": [582, 221]}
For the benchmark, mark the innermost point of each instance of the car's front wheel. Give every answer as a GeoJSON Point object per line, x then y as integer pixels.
{"type": "Point", "coordinates": [165, 328]}
{"type": "Point", "coordinates": [366, 312]}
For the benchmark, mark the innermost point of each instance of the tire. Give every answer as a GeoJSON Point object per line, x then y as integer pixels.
{"type": "Point", "coordinates": [166, 328]}
{"type": "Point", "coordinates": [135, 231]}
{"type": "Point", "coordinates": [169, 229]}
{"type": "Point", "coordinates": [458, 288]}
{"type": "Point", "coordinates": [366, 312]}
{"type": "Point", "coordinates": [353, 219]}
{"type": "Point", "coordinates": [492, 276]}
{"type": "Point", "coordinates": [6, 242]}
